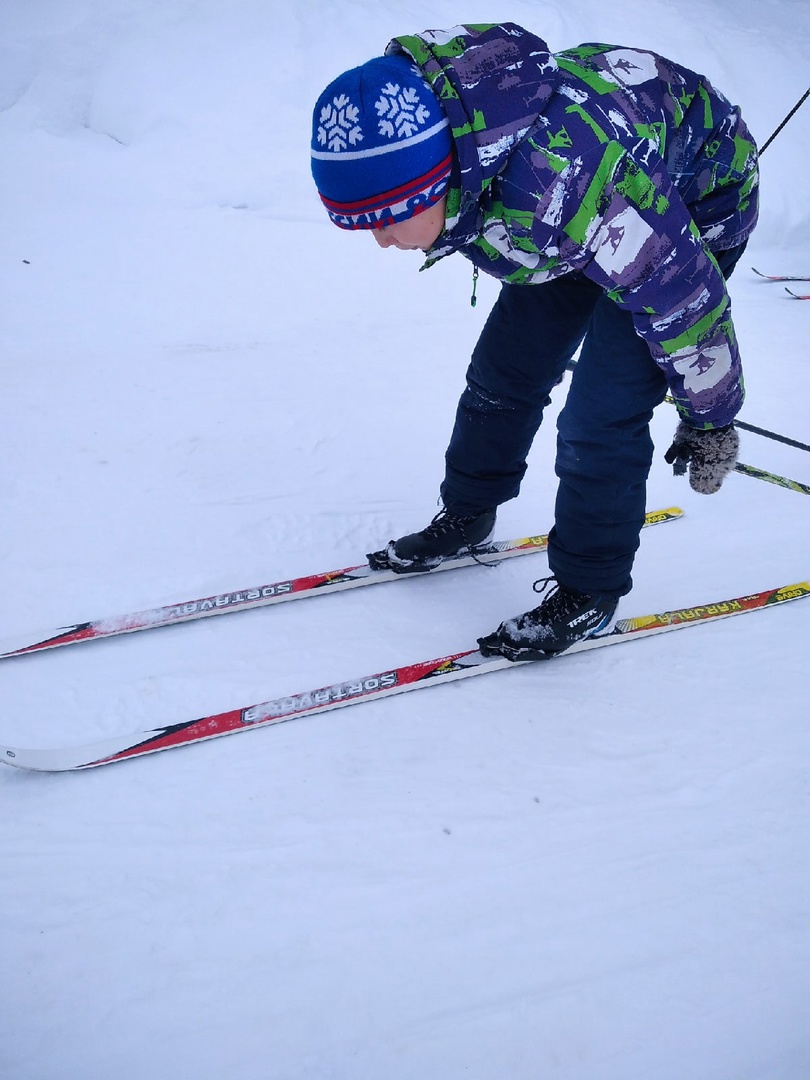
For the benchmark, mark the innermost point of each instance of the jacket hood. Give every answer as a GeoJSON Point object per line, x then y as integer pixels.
{"type": "Point", "coordinates": [494, 81]}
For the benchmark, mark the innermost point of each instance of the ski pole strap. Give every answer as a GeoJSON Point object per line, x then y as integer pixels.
{"type": "Point", "coordinates": [795, 109]}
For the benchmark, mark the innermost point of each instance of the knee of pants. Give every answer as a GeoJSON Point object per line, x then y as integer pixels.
{"type": "Point", "coordinates": [614, 451]}
{"type": "Point", "coordinates": [485, 399]}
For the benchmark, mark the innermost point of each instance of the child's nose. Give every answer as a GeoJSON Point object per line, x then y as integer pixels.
{"type": "Point", "coordinates": [383, 238]}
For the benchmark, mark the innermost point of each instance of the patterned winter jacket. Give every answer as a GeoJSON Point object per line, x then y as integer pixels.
{"type": "Point", "coordinates": [608, 161]}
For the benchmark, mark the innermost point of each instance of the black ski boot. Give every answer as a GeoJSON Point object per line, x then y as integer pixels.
{"type": "Point", "coordinates": [448, 535]}
{"type": "Point", "coordinates": [564, 617]}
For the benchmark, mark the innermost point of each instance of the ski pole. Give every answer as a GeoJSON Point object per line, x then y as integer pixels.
{"type": "Point", "coordinates": [795, 109]}
{"type": "Point", "coordinates": [761, 431]}
{"type": "Point", "coordinates": [772, 478]}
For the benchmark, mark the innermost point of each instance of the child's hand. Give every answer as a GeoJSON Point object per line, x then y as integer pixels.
{"type": "Point", "coordinates": [710, 454]}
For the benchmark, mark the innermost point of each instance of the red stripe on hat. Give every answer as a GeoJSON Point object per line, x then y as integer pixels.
{"type": "Point", "coordinates": [396, 195]}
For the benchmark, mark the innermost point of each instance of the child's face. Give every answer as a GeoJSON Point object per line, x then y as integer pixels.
{"type": "Point", "coordinates": [417, 233]}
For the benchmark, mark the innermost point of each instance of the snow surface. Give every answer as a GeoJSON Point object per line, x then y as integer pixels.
{"type": "Point", "coordinates": [597, 870]}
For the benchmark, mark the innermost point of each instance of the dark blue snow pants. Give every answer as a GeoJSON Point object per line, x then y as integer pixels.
{"type": "Point", "coordinates": [604, 449]}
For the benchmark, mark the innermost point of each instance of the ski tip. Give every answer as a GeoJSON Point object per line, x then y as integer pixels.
{"type": "Point", "coordinates": [60, 760]}
{"type": "Point", "coordinates": [782, 277]}
{"type": "Point", "coordinates": [18, 759]}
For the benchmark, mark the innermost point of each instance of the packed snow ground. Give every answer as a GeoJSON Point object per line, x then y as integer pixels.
{"type": "Point", "coordinates": [596, 870]}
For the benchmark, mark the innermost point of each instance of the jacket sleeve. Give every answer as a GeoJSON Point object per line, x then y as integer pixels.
{"type": "Point", "coordinates": [637, 240]}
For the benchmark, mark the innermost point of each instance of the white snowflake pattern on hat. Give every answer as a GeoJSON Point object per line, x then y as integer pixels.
{"type": "Point", "coordinates": [401, 111]}
{"type": "Point", "coordinates": [338, 128]}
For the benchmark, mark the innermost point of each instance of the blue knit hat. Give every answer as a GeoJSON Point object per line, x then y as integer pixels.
{"type": "Point", "coordinates": [381, 145]}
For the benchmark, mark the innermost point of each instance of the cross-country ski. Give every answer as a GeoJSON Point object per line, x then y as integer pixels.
{"type": "Point", "coordinates": [395, 680]}
{"type": "Point", "coordinates": [780, 277]}
{"type": "Point", "coordinates": [278, 592]}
